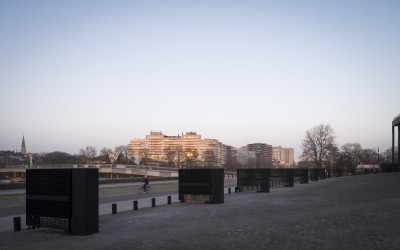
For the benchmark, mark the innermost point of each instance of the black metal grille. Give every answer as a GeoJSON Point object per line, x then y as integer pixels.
{"type": "Point", "coordinates": [48, 198]}
{"type": "Point", "coordinates": [52, 222]}
{"type": "Point", "coordinates": [253, 179]}
{"type": "Point", "coordinates": [301, 175]}
{"type": "Point", "coordinates": [208, 182]}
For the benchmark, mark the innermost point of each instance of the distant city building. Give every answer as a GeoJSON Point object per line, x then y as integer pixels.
{"type": "Point", "coordinates": [230, 156]}
{"type": "Point", "coordinates": [178, 149]}
{"type": "Point", "coordinates": [11, 158]}
{"type": "Point", "coordinates": [283, 156]}
{"type": "Point", "coordinates": [114, 156]}
{"type": "Point", "coordinates": [23, 146]}
{"type": "Point", "coordinates": [246, 158]}
{"type": "Point", "coordinates": [191, 148]}
{"type": "Point", "coordinates": [263, 153]}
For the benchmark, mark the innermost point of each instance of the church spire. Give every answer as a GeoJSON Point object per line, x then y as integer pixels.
{"type": "Point", "coordinates": [23, 147]}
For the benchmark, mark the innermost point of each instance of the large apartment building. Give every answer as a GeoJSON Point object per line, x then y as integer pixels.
{"type": "Point", "coordinates": [160, 147]}
{"type": "Point", "coordinates": [190, 149]}
{"type": "Point", "coordinates": [283, 157]}
{"type": "Point", "coordinates": [263, 154]}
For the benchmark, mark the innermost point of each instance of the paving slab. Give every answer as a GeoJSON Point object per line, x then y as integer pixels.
{"type": "Point", "coordinates": [355, 212]}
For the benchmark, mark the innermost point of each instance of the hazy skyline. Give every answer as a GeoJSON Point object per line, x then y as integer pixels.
{"type": "Point", "coordinates": [101, 73]}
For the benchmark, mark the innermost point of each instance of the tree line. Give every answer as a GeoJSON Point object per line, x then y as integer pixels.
{"type": "Point", "coordinates": [320, 148]}
{"type": "Point", "coordinates": [86, 155]}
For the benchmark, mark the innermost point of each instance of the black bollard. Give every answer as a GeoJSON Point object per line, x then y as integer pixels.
{"type": "Point", "coordinates": [135, 205]}
{"type": "Point", "coordinates": [229, 190]}
{"type": "Point", "coordinates": [17, 224]}
{"type": "Point", "coordinates": [114, 208]}
{"type": "Point", "coordinates": [169, 200]}
{"type": "Point", "coordinates": [153, 202]}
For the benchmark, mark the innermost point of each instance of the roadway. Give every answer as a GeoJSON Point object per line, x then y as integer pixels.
{"type": "Point", "coordinates": [23, 190]}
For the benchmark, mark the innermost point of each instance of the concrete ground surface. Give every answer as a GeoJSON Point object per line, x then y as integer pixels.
{"type": "Point", "coordinates": [121, 194]}
{"type": "Point", "coordinates": [354, 212]}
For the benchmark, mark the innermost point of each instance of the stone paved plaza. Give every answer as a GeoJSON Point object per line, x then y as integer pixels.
{"type": "Point", "coordinates": [355, 212]}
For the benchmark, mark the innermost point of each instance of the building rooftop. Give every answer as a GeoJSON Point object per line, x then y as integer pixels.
{"type": "Point", "coordinates": [396, 120]}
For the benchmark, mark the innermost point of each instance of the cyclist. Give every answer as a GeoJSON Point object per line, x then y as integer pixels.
{"type": "Point", "coordinates": [145, 183]}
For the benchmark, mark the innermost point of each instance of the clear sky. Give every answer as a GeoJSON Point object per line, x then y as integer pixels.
{"type": "Point", "coordinates": [101, 73]}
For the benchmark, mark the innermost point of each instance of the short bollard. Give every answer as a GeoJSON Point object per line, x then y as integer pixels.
{"type": "Point", "coordinates": [153, 202]}
{"type": "Point", "coordinates": [229, 190]}
{"type": "Point", "coordinates": [17, 224]}
{"type": "Point", "coordinates": [114, 208]}
{"type": "Point", "coordinates": [169, 200]}
{"type": "Point", "coordinates": [135, 205]}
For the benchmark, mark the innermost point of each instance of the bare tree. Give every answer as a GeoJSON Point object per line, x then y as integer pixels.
{"type": "Point", "coordinates": [387, 155]}
{"type": "Point", "coordinates": [123, 150]}
{"type": "Point", "coordinates": [351, 155]}
{"type": "Point", "coordinates": [332, 158]}
{"type": "Point", "coordinates": [169, 153]}
{"type": "Point", "coordinates": [105, 151]}
{"type": "Point", "coordinates": [89, 152]}
{"type": "Point", "coordinates": [209, 158]}
{"type": "Point", "coordinates": [317, 144]}
{"type": "Point", "coordinates": [369, 156]}
{"type": "Point", "coordinates": [179, 155]}
{"type": "Point", "coordinates": [144, 154]}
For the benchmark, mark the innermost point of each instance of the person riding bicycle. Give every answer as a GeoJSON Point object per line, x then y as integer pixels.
{"type": "Point", "coordinates": [145, 183]}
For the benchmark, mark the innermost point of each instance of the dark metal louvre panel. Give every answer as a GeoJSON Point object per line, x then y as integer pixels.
{"type": "Point", "coordinates": [48, 208]}
{"type": "Point", "coordinates": [314, 174]}
{"type": "Point", "coordinates": [246, 177]}
{"type": "Point", "coordinates": [202, 182]}
{"type": "Point", "coordinates": [301, 174]}
{"type": "Point", "coordinates": [257, 178]}
{"type": "Point", "coordinates": [194, 181]}
{"type": "Point", "coordinates": [41, 221]}
{"type": "Point", "coordinates": [54, 182]}
{"type": "Point", "coordinates": [277, 172]}
{"type": "Point", "coordinates": [48, 198]}
{"type": "Point", "coordinates": [195, 190]}
{"type": "Point", "coordinates": [194, 175]}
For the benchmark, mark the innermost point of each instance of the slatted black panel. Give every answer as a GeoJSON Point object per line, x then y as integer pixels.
{"type": "Point", "coordinates": [314, 174]}
{"type": "Point", "coordinates": [63, 198]}
{"type": "Point", "coordinates": [54, 182]}
{"type": "Point", "coordinates": [279, 174]}
{"type": "Point", "coordinates": [48, 198]}
{"type": "Point", "coordinates": [202, 182]}
{"type": "Point", "coordinates": [57, 209]}
{"type": "Point", "coordinates": [194, 181]}
{"type": "Point", "coordinates": [301, 175]}
{"type": "Point", "coordinates": [253, 179]}
{"type": "Point", "coordinates": [85, 200]}
{"type": "Point", "coordinates": [42, 221]}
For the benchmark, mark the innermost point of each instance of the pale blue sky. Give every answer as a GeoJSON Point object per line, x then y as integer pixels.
{"type": "Point", "coordinates": [77, 73]}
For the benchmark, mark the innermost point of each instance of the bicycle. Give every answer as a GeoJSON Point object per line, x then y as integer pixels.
{"type": "Point", "coordinates": [141, 190]}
